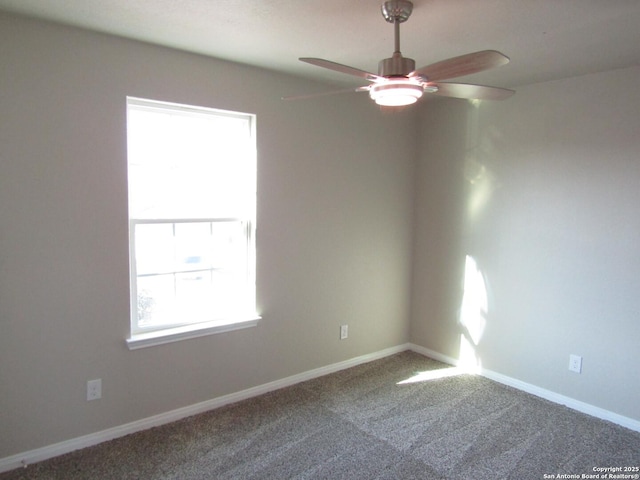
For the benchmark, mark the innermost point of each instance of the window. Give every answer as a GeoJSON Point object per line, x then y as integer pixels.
{"type": "Point", "coordinates": [192, 196]}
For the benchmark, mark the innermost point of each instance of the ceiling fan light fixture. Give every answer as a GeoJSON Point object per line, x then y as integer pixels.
{"type": "Point", "coordinates": [399, 83]}
{"type": "Point", "coordinates": [396, 92]}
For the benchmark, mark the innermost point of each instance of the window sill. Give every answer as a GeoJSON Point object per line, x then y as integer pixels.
{"type": "Point", "coordinates": [143, 340]}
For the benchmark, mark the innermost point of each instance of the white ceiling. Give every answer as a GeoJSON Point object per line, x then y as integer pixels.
{"type": "Point", "coordinates": [545, 39]}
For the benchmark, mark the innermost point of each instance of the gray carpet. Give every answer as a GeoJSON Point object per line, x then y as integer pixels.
{"type": "Point", "coordinates": [361, 424]}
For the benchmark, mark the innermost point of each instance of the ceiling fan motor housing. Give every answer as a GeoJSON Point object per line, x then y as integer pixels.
{"type": "Point", "coordinates": [396, 66]}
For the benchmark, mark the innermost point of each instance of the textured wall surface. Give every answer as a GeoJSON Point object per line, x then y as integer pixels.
{"type": "Point", "coordinates": [333, 238]}
{"type": "Point", "coordinates": [527, 234]}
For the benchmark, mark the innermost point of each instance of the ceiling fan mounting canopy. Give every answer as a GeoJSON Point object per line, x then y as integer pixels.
{"type": "Point", "coordinates": [397, 10]}
{"type": "Point", "coordinates": [398, 82]}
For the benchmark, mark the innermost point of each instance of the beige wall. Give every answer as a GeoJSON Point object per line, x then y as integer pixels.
{"type": "Point", "coordinates": [542, 190]}
{"type": "Point", "coordinates": [333, 240]}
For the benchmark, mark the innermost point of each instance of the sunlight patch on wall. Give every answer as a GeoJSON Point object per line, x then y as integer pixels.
{"type": "Point", "coordinates": [475, 305]}
{"type": "Point", "coordinates": [473, 320]}
{"type": "Point", "coordinates": [482, 181]}
{"type": "Point", "coordinates": [473, 314]}
{"type": "Point", "coordinates": [468, 357]}
{"type": "Point", "coordinates": [482, 184]}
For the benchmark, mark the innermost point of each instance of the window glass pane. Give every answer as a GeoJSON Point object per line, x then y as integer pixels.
{"type": "Point", "coordinates": [155, 248]}
{"type": "Point", "coordinates": [193, 246]}
{"type": "Point", "coordinates": [188, 165]}
{"type": "Point", "coordinates": [229, 245]}
{"type": "Point", "coordinates": [227, 292]}
{"type": "Point", "coordinates": [195, 296]}
{"type": "Point", "coordinates": [156, 300]}
{"type": "Point", "coordinates": [190, 270]}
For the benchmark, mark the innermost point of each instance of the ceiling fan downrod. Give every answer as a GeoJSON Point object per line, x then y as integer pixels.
{"type": "Point", "coordinates": [396, 12]}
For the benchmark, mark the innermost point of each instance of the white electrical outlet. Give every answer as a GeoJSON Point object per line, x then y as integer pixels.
{"type": "Point", "coordinates": [94, 389]}
{"type": "Point", "coordinates": [575, 363]}
{"type": "Point", "coordinates": [344, 331]}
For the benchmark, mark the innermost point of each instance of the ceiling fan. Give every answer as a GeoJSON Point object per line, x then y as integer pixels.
{"type": "Point", "coordinates": [399, 83]}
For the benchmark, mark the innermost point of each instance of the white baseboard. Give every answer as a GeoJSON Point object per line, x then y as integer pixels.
{"type": "Point", "coordinates": [39, 454]}
{"type": "Point", "coordinates": [554, 397]}
{"type": "Point", "coordinates": [50, 451]}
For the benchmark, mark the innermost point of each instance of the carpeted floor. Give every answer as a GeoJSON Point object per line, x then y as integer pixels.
{"type": "Point", "coordinates": [362, 423]}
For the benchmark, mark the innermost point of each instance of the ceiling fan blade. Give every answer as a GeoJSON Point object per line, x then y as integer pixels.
{"type": "Point", "coordinates": [479, 92]}
{"type": "Point", "coordinates": [319, 62]}
{"type": "Point", "coordinates": [462, 65]}
{"type": "Point", "coordinates": [324, 94]}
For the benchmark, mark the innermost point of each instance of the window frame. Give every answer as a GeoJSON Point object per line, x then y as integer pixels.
{"type": "Point", "coordinates": [140, 337]}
